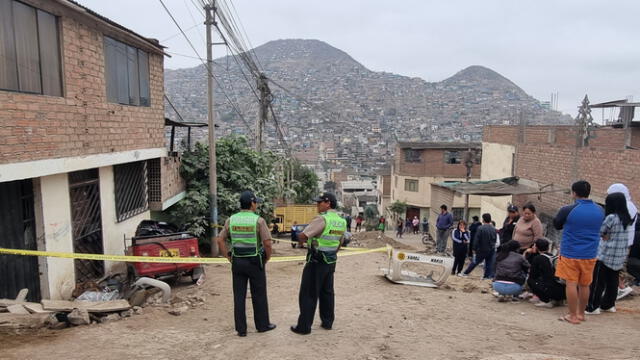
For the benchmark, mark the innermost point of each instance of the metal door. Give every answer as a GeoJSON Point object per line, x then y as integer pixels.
{"type": "Point", "coordinates": [84, 191]}
{"type": "Point", "coordinates": [17, 231]}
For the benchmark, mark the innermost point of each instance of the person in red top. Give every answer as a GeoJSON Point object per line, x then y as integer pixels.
{"type": "Point", "coordinates": [359, 223]}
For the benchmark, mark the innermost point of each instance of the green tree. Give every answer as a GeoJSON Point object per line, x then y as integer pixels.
{"type": "Point", "coordinates": [239, 168]}
{"type": "Point", "coordinates": [397, 208]}
{"type": "Point", "coordinates": [304, 184]}
{"type": "Point", "coordinates": [370, 217]}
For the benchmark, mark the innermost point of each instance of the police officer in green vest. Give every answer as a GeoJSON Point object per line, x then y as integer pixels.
{"type": "Point", "coordinates": [250, 250]}
{"type": "Point", "coordinates": [324, 236]}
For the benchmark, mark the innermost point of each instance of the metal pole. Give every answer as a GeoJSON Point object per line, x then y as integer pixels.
{"type": "Point", "coordinates": [213, 180]}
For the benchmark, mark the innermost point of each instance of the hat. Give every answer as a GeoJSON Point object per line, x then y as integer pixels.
{"type": "Point", "coordinates": [327, 196]}
{"type": "Point", "coordinates": [512, 208]}
{"type": "Point", "coordinates": [248, 197]}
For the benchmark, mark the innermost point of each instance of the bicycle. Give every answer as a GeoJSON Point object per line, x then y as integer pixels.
{"type": "Point", "coordinates": [428, 239]}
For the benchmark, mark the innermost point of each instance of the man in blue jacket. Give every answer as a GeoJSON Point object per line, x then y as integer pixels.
{"type": "Point", "coordinates": [580, 223]}
{"type": "Point", "coordinates": [443, 225]}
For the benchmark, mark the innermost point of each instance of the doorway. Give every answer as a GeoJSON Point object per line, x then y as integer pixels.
{"type": "Point", "coordinates": [84, 191]}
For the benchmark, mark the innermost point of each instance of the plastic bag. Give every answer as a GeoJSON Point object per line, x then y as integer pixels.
{"type": "Point", "coordinates": [99, 295]}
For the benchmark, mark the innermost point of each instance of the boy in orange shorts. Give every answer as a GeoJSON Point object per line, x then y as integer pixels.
{"type": "Point", "coordinates": [580, 223]}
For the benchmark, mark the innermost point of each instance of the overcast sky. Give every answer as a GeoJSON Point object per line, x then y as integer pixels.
{"type": "Point", "coordinates": [544, 46]}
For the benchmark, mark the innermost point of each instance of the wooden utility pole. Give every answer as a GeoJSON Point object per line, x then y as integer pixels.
{"type": "Point", "coordinates": [209, 9]}
{"type": "Point", "coordinates": [263, 111]}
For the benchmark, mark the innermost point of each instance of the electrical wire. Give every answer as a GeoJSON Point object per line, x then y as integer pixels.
{"type": "Point", "coordinates": [210, 71]}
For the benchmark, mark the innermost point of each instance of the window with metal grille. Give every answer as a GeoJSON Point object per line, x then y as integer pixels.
{"type": "Point", "coordinates": [412, 155]}
{"type": "Point", "coordinates": [457, 213]}
{"type": "Point", "coordinates": [130, 189]}
{"type": "Point", "coordinates": [411, 185]}
{"type": "Point", "coordinates": [154, 182]}
{"type": "Point", "coordinates": [29, 50]}
{"type": "Point", "coordinates": [452, 157]}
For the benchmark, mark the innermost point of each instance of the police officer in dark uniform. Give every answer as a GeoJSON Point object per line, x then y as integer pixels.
{"type": "Point", "coordinates": [250, 250]}
{"type": "Point", "coordinates": [324, 236]}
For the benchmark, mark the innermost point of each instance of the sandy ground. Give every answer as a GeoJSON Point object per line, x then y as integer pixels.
{"type": "Point", "coordinates": [375, 319]}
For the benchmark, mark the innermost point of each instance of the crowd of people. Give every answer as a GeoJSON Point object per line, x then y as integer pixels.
{"type": "Point", "coordinates": [595, 246]}
{"type": "Point", "coordinates": [584, 269]}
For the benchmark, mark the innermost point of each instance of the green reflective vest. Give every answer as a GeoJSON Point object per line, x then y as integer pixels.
{"type": "Point", "coordinates": [328, 242]}
{"type": "Point", "coordinates": [243, 229]}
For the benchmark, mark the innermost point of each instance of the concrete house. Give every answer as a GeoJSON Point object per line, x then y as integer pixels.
{"type": "Point", "coordinates": [83, 150]}
{"type": "Point", "coordinates": [419, 164]}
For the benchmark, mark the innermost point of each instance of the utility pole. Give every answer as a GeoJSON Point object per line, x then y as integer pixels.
{"type": "Point", "coordinates": [265, 101]}
{"type": "Point", "coordinates": [209, 10]}
{"type": "Point", "coordinates": [468, 163]}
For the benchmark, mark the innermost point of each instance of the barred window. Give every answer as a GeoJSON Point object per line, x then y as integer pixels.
{"type": "Point", "coordinates": [412, 155]}
{"type": "Point", "coordinates": [452, 157]}
{"type": "Point", "coordinates": [130, 189]}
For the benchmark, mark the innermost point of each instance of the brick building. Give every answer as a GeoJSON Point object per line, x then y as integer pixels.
{"type": "Point", "coordinates": [417, 165]}
{"type": "Point", "coordinates": [82, 119]}
{"type": "Point", "coordinates": [554, 155]}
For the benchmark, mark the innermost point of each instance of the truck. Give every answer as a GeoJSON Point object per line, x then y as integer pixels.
{"type": "Point", "coordinates": [286, 215]}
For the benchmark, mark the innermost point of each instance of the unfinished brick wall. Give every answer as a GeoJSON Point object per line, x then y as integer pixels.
{"type": "Point", "coordinates": [82, 122]}
{"type": "Point", "coordinates": [432, 164]}
{"type": "Point", "coordinates": [548, 155]}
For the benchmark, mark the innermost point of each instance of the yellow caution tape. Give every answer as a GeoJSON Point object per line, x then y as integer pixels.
{"type": "Point", "coordinates": [160, 259]}
{"type": "Point", "coordinates": [295, 242]}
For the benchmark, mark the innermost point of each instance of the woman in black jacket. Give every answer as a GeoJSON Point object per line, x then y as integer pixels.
{"type": "Point", "coordinates": [511, 271]}
{"type": "Point", "coordinates": [509, 224]}
{"type": "Point", "coordinates": [542, 280]}
{"type": "Point", "coordinates": [460, 237]}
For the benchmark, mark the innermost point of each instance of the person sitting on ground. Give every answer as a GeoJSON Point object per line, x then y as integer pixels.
{"type": "Point", "coordinates": [612, 252]}
{"type": "Point", "coordinates": [509, 224]}
{"type": "Point", "coordinates": [542, 280]}
{"type": "Point", "coordinates": [511, 271]}
{"type": "Point", "coordinates": [484, 248]}
{"type": "Point", "coordinates": [460, 237]}
{"type": "Point", "coordinates": [528, 228]}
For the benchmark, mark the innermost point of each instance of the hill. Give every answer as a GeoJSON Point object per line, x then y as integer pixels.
{"type": "Point", "coordinates": [361, 113]}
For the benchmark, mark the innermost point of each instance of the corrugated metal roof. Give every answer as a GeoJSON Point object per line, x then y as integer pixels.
{"type": "Point", "coordinates": [500, 187]}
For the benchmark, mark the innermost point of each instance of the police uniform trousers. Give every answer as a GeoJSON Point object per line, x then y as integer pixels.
{"type": "Point", "coordinates": [249, 269]}
{"type": "Point", "coordinates": [317, 285]}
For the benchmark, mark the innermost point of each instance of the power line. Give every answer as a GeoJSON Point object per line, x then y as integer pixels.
{"type": "Point", "coordinates": [308, 102]}
{"type": "Point", "coordinates": [210, 71]}
{"type": "Point", "coordinates": [174, 108]}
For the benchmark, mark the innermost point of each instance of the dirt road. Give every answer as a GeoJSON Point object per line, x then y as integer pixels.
{"type": "Point", "coordinates": [375, 319]}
